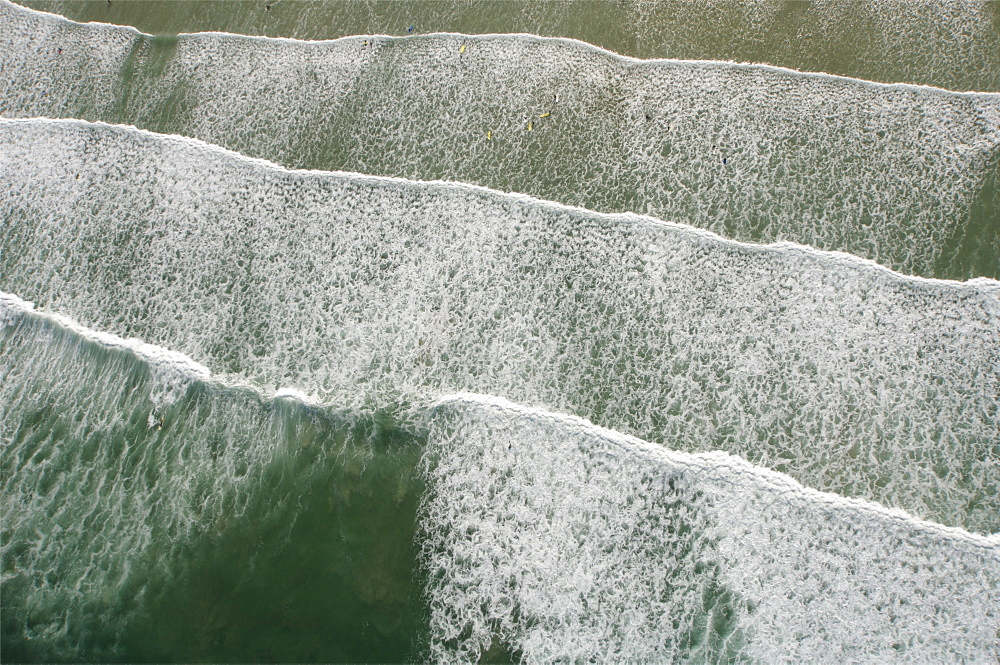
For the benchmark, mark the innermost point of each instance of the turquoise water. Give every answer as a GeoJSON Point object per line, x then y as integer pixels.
{"type": "Point", "coordinates": [554, 355]}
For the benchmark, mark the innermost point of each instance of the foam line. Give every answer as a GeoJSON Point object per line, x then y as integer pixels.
{"type": "Point", "coordinates": [133, 483]}
{"type": "Point", "coordinates": [161, 361]}
{"type": "Point", "coordinates": [569, 41]}
{"type": "Point", "coordinates": [542, 535]}
{"type": "Point", "coordinates": [13, 308]}
{"type": "Point", "coordinates": [158, 358]}
{"type": "Point", "coordinates": [553, 539]}
{"type": "Point", "coordinates": [899, 174]}
{"type": "Point", "coordinates": [369, 291]}
{"type": "Point", "coordinates": [988, 283]}
{"type": "Point", "coordinates": [737, 469]}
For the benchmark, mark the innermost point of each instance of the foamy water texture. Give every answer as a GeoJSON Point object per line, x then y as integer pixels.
{"type": "Point", "coordinates": [374, 293]}
{"type": "Point", "coordinates": [953, 45]}
{"type": "Point", "coordinates": [560, 541]}
{"type": "Point", "coordinates": [223, 526]}
{"type": "Point", "coordinates": [904, 175]}
{"type": "Point", "coordinates": [141, 524]}
{"type": "Point", "coordinates": [558, 355]}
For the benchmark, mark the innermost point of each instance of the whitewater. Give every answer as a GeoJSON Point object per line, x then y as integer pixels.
{"type": "Point", "coordinates": [904, 175]}
{"type": "Point", "coordinates": [490, 348]}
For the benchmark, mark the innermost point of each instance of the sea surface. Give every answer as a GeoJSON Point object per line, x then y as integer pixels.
{"type": "Point", "coordinates": [564, 331]}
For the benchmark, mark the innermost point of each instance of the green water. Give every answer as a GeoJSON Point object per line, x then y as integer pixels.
{"type": "Point", "coordinates": [150, 516]}
{"type": "Point", "coordinates": [157, 510]}
{"type": "Point", "coordinates": [894, 174]}
{"type": "Point", "coordinates": [366, 293]}
{"type": "Point", "coordinates": [953, 47]}
{"type": "Point", "coordinates": [231, 529]}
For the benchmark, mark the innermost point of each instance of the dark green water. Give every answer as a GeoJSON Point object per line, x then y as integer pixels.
{"type": "Point", "coordinates": [367, 293]}
{"type": "Point", "coordinates": [153, 516]}
{"type": "Point", "coordinates": [236, 529]}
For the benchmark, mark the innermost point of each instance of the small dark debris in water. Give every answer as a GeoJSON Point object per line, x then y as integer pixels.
{"type": "Point", "coordinates": [77, 176]}
{"type": "Point", "coordinates": [649, 117]}
{"type": "Point", "coordinates": [411, 28]}
{"type": "Point", "coordinates": [59, 51]}
{"type": "Point", "coordinates": [725, 161]}
{"type": "Point", "coordinates": [267, 8]}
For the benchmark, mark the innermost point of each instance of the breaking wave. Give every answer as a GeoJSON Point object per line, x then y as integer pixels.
{"type": "Point", "coordinates": [901, 174]}
{"type": "Point", "coordinates": [366, 291]}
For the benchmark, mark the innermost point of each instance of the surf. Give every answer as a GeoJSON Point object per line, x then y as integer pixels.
{"type": "Point", "coordinates": [552, 539]}
{"type": "Point", "coordinates": [900, 174]}
{"type": "Point", "coordinates": [358, 291]}
{"type": "Point", "coordinates": [502, 531]}
{"type": "Point", "coordinates": [887, 42]}
{"type": "Point", "coordinates": [146, 504]}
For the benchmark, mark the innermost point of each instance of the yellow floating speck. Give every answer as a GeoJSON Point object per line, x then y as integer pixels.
{"type": "Point", "coordinates": [462, 50]}
{"type": "Point", "coordinates": [489, 136]}
{"type": "Point", "coordinates": [545, 115]}
{"type": "Point", "coordinates": [530, 126]}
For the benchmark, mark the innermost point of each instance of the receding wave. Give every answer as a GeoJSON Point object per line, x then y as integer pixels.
{"type": "Point", "coordinates": [951, 45]}
{"type": "Point", "coordinates": [139, 527]}
{"type": "Point", "coordinates": [376, 293]}
{"type": "Point", "coordinates": [900, 174]}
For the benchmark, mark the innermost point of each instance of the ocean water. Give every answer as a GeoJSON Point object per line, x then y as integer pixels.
{"type": "Point", "coordinates": [554, 354]}
{"type": "Point", "coordinates": [151, 514]}
{"type": "Point", "coordinates": [951, 45]}
{"type": "Point", "coordinates": [904, 175]}
{"type": "Point", "coordinates": [155, 512]}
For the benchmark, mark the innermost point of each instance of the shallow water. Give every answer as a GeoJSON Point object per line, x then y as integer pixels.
{"type": "Point", "coordinates": [150, 515]}
{"type": "Point", "coordinates": [362, 291]}
{"type": "Point", "coordinates": [154, 512]}
{"type": "Point", "coordinates": [902, 175]}
{"type": "Point", "coordinates": [254, 414]}
{"type": "Point", "coordinates": [946, 44]}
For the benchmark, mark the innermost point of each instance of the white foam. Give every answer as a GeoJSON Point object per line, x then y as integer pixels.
{"type": "Point", "coordinates": [947, 44]}
{"type": "Point", "coordinates": [890, 172]}
{"type": "Point", "coordinates": [557, 540]}
{"type": "Point", "coordinates": [111, 493]}
{"type": "Point", "coordinates": [157, 357]}
{"type": "Point", "coordinates": [366, 291]}
{"type": "Point", "coordinates": [543, 534]}
{"type": "Point", "coordinates": [173, 372]}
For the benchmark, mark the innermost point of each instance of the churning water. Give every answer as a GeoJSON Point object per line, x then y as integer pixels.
{"type": "Point", "coordinates": [718, 381]}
